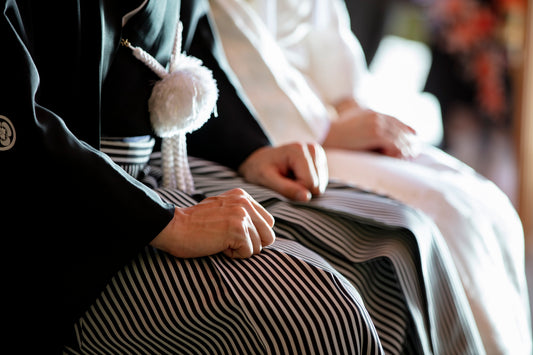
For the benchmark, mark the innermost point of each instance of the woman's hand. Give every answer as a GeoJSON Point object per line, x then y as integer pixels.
{"type": "Point", "coordinates": [232, 223]}
{"type": "Point", "coordinates": [357, 128]}
{"type": "Point", "coordinates": [295, 170]}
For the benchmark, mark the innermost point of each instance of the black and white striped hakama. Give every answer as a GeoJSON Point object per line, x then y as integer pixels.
{"type": "Point", "coordinates": [132, 154]}
{"type": "Point", "coordinates": [349, 273]}
{"type": "Point", "coordinates": [394, 256]}
{"type": "Point", "coordinates": [272, 304]}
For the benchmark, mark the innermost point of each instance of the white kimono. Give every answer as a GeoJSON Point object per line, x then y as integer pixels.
{"type": "Point", "coordinates": [294, 58]}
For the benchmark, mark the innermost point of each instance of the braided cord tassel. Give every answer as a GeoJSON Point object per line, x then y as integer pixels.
{"type": "Point", "coordinates": [147, 59]}
{"type": "Point", "coordinates": [167, 160]}
{"type": "Point", "coordinates": [181, 102]}
{"type": "Point", "coordinates": [176, 51]}
{"type": "Point", "coordinates": [181, 164]}
{"type": "Point", "coordinates": [176, 170]}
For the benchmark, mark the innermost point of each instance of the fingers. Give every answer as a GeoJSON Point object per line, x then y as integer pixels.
{"type": "Point", "coordinates": [402, 126]}
{"type": "Point", "coordinates": [318, 157]}
{"type": "Point", "coordinates": [302, 174]}
{"type": "Point", "coordinates": [255, 229]}
{"type": "Point", "coordinates": [296, 170]}
{"type": "Point", "coordinates": [253, 207]}
{"type": "Point", "coordinates": [303, 167]}
{"type": "Point", "coordinates": [289, 188]}
{"type": "Point", "coordinates": [267, 217]}
{"type": "Point", "coordinates": [232, 223]}
{"type": "Point", "coordinates": [398, 139]}
{"type": "Point", "coordinates": [246, 241]}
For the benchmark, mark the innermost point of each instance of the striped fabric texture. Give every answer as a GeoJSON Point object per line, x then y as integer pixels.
{"type": "Point", "coordinates": [349, 273]}
{"type": "Point", "coordinates": [394, 256]}
{"type": "Point", "coordinates": [132, 154]}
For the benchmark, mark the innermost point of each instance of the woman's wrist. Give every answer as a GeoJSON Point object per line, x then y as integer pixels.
{"type": "Point", "coordinates": [345, 105]}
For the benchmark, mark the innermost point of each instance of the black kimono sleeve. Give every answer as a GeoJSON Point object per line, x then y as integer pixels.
{"type": "Point", "coordinates": [71, 216]}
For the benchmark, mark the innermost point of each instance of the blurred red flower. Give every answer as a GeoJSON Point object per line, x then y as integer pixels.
{"type": "Point", "coordinates": [470, 30]}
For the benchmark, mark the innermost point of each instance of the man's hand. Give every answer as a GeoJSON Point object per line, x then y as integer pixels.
{"type": "Point", "coordinates": [295, 170]}
{"type": "Point", "coordinates": [232, 223]}
{"type": "Point", "coordinates": [357, 128]}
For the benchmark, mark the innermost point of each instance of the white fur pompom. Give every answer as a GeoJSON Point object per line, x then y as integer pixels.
{"type": "Point", "coordinates": [181, 102]}
{"type": "Point", "coordinates": [184, 99]}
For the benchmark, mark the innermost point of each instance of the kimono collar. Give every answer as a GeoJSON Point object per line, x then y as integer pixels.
{"type": "Point", "coordinates": [130, 14]}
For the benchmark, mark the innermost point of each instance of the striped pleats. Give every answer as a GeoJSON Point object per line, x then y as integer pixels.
{"type": "Point", "coordinates": [349, 273]}
{"type": "Point", "coordinates": [414, 285]}
{"type": "Point", "coordinates": [132, 154]}
{"type": "Point", "coordinates": [271, 304]}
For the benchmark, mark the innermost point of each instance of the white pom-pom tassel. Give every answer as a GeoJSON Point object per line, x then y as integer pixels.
{"type": "Point", "coordinates": [181, 102]}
